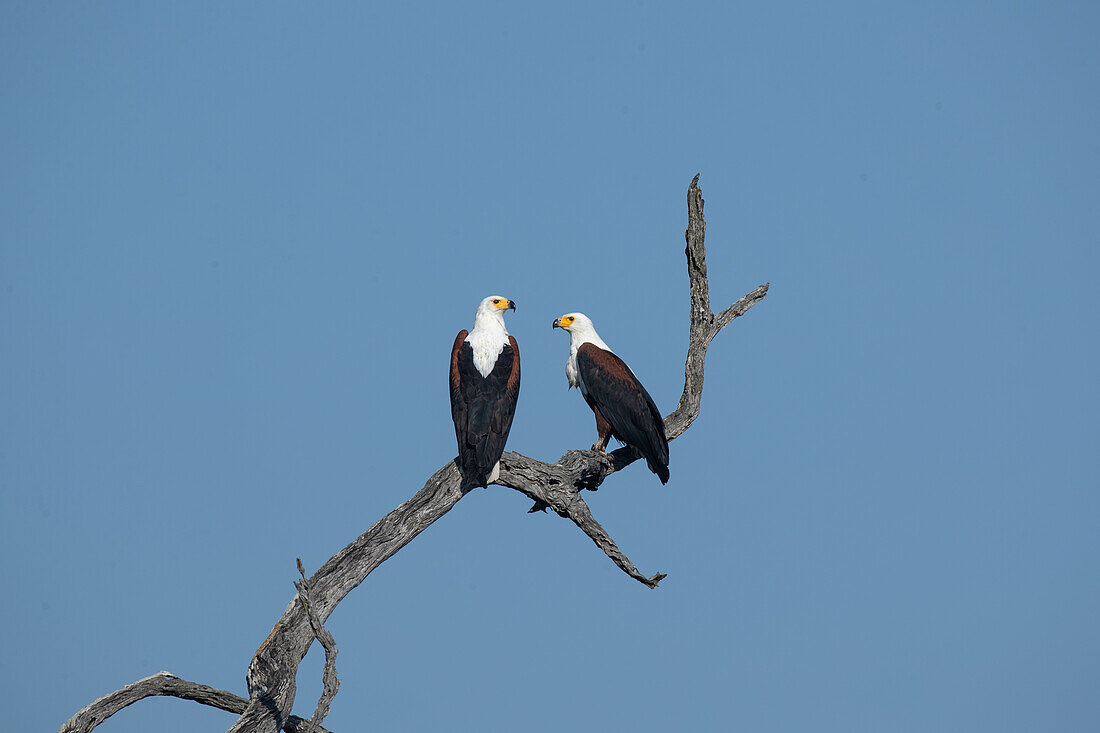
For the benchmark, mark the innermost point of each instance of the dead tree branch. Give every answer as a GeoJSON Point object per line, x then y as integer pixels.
{"type": "Point", "coordinates": [168, 685]}
{"type": "Point", "coordinates": [329, 678]}
{"type": "Point", "coordinates": [557, 486]}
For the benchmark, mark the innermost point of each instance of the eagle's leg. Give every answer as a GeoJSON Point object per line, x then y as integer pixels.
{"type": "Point", "coordinates": [603, 429]}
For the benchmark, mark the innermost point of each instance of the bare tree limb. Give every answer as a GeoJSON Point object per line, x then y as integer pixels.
{"type": "Point", "coordinates": [582, 517]}
{"type": "Point", "coordinates": [330, 680]}
{"type": "Point", "coordinates": [168, 685]}
{"type": "Point", "coordinates": [557, 486]}
{"type": "Point", "coordinates": [271, 674]}
{"type": "Point", "coordinates": [738, 309]}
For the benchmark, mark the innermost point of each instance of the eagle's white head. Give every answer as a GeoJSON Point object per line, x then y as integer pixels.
{"type": "Point", "coordinates": [576, 324]}
{"type": "Point", "coordinates": [491, 311]}
{"type": "Point", "coordinates": [580, 329]}
{"type": "Point", "coordinates": [581, 332]}
{"type": "Point", "coordinates": [488, 336]}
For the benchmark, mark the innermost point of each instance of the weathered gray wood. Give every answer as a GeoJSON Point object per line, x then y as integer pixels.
{"type": "Point", "coordinates": [270, 677]}
{"type": "Point", "coordinates": [169, 685]}
{"type": "Point", "coordinates": [329, 679]}
{"type": "Point", "coordinates": [557, 486]}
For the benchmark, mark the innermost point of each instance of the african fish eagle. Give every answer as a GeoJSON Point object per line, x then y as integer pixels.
{"type": "Point", "coordinates": [621, 404]}
{"type": "Point", "coordinates": [484, 387]}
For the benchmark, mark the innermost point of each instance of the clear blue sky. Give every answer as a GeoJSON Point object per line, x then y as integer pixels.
{"type": "Point", "coordinates": [236, 244]}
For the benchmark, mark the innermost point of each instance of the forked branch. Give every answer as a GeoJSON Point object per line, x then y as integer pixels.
{"type": "Point", "coordinates": [329, 678]}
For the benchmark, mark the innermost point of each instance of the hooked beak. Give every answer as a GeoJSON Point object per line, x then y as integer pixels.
{"type": "Point", "coordinates": [557, 323]}
{"type": "Point", "coordinates": [512, 304]}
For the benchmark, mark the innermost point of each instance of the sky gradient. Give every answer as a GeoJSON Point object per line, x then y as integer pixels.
{"type": "Point", "coordinates": [236, 244]}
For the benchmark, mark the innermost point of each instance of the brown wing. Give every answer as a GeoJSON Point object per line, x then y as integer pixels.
{"type": "Point", "coordinates": [625, 404]}
{"type": "Point", "coordinates": [459, 408]}
{"type": "Point", "coordinates": [506, 407]}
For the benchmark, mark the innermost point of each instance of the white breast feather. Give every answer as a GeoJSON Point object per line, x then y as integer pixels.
{"type": "Point", "coordinates": [572, 373]}
{"type": "Point", "coordinates": [577, 338]}
{"type": "Point", "coordinates": [487, 344]}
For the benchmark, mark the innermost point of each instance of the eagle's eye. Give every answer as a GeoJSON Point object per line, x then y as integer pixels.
{"type": "Point", "coordinates": [496, 301]}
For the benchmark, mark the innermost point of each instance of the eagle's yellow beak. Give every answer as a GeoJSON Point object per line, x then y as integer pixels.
{"type": "Point", "coordinates": [506, 304]}
{"type": "Point", "coordinates": [563, 322]}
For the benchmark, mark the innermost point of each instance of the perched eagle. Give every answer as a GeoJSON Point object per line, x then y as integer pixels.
{"type": "Point", "coordinates": [484, 388]}
{"type": "Point", "coordinates": [622, 406]}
